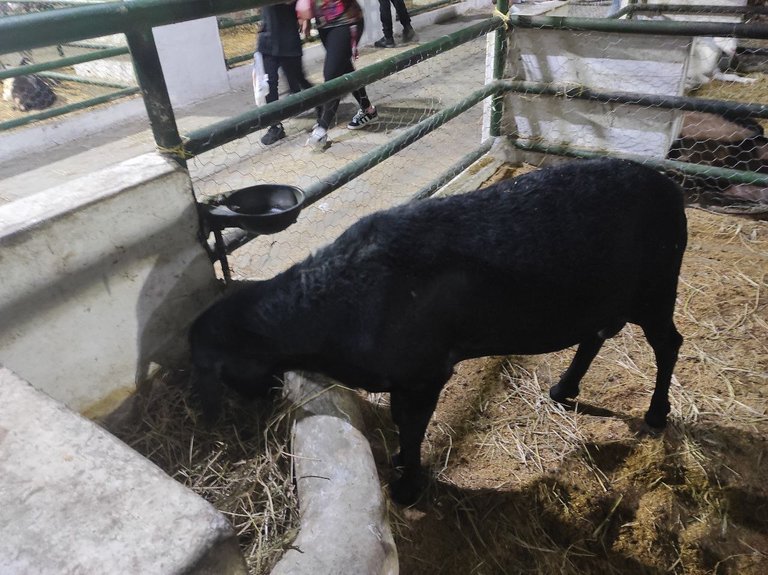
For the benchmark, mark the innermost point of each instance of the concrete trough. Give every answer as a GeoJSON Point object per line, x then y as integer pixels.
{"type": "Point", "coordinates": [75, 499]}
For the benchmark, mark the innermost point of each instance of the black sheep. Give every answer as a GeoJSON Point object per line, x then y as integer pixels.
{"type": "Point", "coordinates": [562, 256]}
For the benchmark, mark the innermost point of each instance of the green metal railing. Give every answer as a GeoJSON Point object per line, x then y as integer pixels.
{"type": "Point", "coordinates": [632, 9]}
{"type": "Point", "coordinates": [204, 139]}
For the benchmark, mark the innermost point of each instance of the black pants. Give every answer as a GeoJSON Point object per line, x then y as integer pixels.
{"type": "Point", "coordinates": [385, 12]}
{"type": "Point", "coordinates": [338, 42]}
{"type": "Point", "coordinates": [294, 72]}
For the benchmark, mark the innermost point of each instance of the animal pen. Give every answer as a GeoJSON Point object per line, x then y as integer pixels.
{"type": "Point", "coordinates": [517, 484]}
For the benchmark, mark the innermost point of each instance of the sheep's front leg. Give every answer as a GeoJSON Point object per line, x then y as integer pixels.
{"type": "Point", "coordinates": [411, 413]}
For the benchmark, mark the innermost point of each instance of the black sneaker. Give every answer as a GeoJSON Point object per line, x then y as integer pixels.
{"type": "Point", "coordinates": [409, 34]}
{"type": "Point", "coordinates": [274, 134]}
{"type": "Point", "coordinates": [385, 42]}
{"type": "Point", "coordinates": [362, 119]}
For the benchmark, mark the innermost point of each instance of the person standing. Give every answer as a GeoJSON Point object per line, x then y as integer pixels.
{"type": "Point", "coordinates": [385, 12]}
{"type": "Point", "coordinates": [279, 44]}
{"type": "Point", "coordinates": [340, 24]}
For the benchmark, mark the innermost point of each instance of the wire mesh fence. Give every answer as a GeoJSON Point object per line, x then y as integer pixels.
{"type": "Point", "coordinates": [653, 87]}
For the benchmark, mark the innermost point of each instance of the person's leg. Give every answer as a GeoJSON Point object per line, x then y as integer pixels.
{"type": "Point", "coordinates": [294, 73]}
{"type": "Point", "coordinates": [385, 13]}
{"type": "Point", "coordinates": [297, 80]}
{"type": "Point", "coordinates": [338, 61]}
{"type": "Point", "coordinates": [271, 66]}
{"type": "Point", "coordinates": [402, 13]}
{"type": "Point", "coordinates": [405, 19]}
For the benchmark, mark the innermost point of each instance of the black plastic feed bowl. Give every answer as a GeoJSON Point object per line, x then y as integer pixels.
{"type": "Point", "coordinates": [260, 209]}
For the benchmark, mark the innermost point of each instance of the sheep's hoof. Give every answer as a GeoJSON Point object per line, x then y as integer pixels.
{"type": "Point", "coordinates": [656, 419]}
{"type": "Point", "coordinates": [562, 393]}
{"type": "Point", "coordinates": [406, 490]}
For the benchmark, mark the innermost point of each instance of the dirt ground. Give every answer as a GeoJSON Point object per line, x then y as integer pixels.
{"type": "Point", "coordinates": [521, 485]}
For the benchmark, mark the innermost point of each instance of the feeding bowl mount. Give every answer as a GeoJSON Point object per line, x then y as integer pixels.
{"type": "Point", "coordinates": [259, 209]}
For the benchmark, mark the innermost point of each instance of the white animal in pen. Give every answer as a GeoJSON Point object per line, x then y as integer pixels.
{"type": "Point", "coordinates": [710, 57]}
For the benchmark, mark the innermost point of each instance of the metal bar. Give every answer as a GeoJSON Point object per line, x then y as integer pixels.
{"type": "Point", "coordinates": [89, 46]}
{"type": "Point", "coordinates": [82, 80]}
{"type": "Point", "coordinates": [27, 31]}
{"type": "Point", "coordinates": [318, 190]}
{"type": "Point", "coordinates": [626, 11]}
{"type": "Point", "coordinates": [238, 59]}
{"type": "Point", "coordinates": [149, 73]}
{"type": "Point", "coordinates": [697, 9]}
{"type": "Point", "coordinates": [53, 112]}
{"type": "Point", "coordinates": [734, 176]}
{"type": "Point", "coordinates": [732, 110]}
{"type": "Point", "coordinates": [499, 59]}
{"type": "Point", "coordinates": [454, 170]}
{"type": "Point", "coordinates": [660, 27]}
{"type": "Point", "coordinates": [62, 63]}
{"type": "Point", "coordinates": [62, 2]}
{"type": "Point", "coordinates": [225, 23]}
{"type": "Point", "coordinates": [429, 7]}
{"type": "Point", "coordinates": [204, 139]}
{"type": "Point", "coordinates": [326, 185]}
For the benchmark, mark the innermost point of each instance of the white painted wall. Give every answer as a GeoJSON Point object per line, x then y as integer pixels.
{"type": "Point", "coordinates": [193, 60]}
{"type": "Point", "coordinates": [99, 279]}
{"type": "Point", "coordinates": [632, 63]}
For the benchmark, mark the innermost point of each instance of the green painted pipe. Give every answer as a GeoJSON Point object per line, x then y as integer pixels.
{"type": "Point", "coordinates": [499, 60]}
{"type": "Point", "coordinates": [149, 73]}
{"type": "Point", "coordinates": [732, 110]}
{"type": "Point", "coordinates": [660, 27]}
{"type": "Point", "coordinates": [82, 80]}
{"type": "Point", "coordinates": [326, 185]}
{"type": "Point", "coordinates": [421, 9]}
{"type": "Point", "coordinates": [733, 176]}
{"type": "Point", "coordinates": [53, 27]}
{"type": "Point", "coordinates": [204, 139]}
{"type": "Point", "coordinates": [696, 9]}
{"type": "Point", "coordinates": [225, 23]}
{"type": "Point", "coordinates": [61, 63]}
{"type": "Point", "coordinates": [454, 170]}
{"type": "Point", "coordinates": [53, 112]}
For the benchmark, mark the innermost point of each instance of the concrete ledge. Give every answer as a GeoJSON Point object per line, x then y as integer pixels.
{"type": "Point", "coordinates": [101, 278]}
{"type": "Point", "coordinates": [75, 499]}
{"type": "Point", "coordinates": [344, 528]}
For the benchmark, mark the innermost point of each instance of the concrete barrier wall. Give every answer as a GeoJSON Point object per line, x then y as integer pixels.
{"type": "Point", "coordinates": [99, 279]}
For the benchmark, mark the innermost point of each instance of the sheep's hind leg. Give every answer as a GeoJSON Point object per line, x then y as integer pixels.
{"type": "Point", "coordinates": [666, 342]}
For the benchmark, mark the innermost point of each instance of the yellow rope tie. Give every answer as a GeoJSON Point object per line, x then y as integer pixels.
{"type": "Point", "coordinates": [505, 17]}
{"type": "Point", "coordinates": [177, 151]}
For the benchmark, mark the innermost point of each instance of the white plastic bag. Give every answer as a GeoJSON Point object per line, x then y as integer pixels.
{"type": "Point", "coordinates": [260, 82]}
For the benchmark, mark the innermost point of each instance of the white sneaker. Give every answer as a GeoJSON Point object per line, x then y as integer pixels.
{"type": "Point", "coordinates": [318, 138]}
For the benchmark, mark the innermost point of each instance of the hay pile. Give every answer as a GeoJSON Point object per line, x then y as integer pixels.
{"type": "Point", "coordinates": [241, 464]}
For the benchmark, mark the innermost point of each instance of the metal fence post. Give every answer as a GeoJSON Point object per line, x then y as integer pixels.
{"type": "Point", "coordinates": [499, 60]}
{"type": "Point", "coordinates": [149, 73]}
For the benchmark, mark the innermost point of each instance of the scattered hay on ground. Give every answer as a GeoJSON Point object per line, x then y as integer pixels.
{"type": "Point", "coordinates": [241, 464]}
